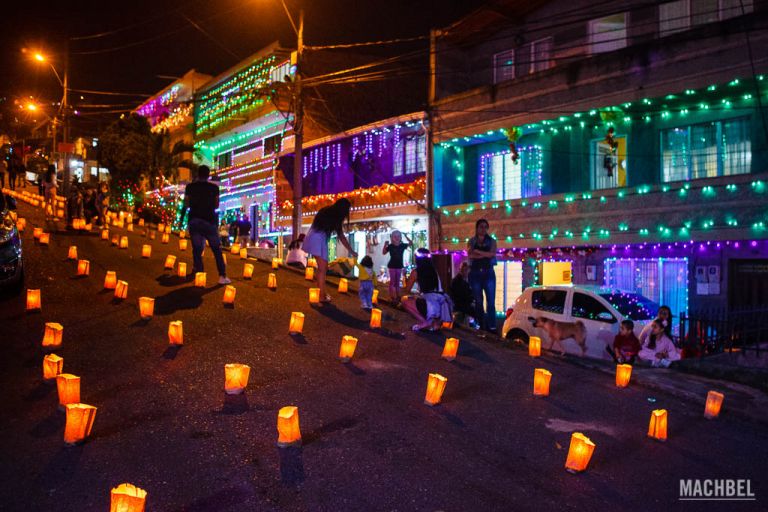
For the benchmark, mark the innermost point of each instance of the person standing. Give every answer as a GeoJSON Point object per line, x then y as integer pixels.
{"type": "Point", "coordinates": [12, 168]}
{"type": "Point", "coordinates": [201, 198]}
{"type": "Point", "coordinates": [396, 248]}
{"type": "Point", "coordinates": [329, 220]}
{"type": "Point", "coordinates": [244, 231]}
{"type": "Point", "coordinates": [49, 192]}
{"type": "Point", "coordinates": [481, 249]}
{"type": "Point", "coordinates": [366, 276]}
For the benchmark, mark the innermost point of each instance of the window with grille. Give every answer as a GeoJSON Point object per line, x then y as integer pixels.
{"type": "Point", "coordinates": [224, 160]}
{"type": "Point", "coordinates": [608, 33]}
{"type": "Point", "coordinates": [662, 280]}
{"type": "Point", "coordinates": [272, 144]}
{"type": "Point", "coordinates": [410, 156]}
{"type": "Point", "coordinates": [705, 150]}
{"type": "Point", "coordinates": [503, 178]}
{"type": "Point", "coordinates": [681, 15]}
{"type": "Point", "coordinates": [534, 57]}
{"type": "Point", "coordinates": [503, 66]}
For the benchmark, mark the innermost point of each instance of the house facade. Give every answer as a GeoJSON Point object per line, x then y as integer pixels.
{"type": "Point", "coordinates": [626, 139]}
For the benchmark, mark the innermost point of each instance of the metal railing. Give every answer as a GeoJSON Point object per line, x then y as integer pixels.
{"type": "Point", "coordinates": [715, 331]}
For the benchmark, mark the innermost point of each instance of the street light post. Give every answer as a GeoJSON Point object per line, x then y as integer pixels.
{"type": "Point", "coordinates": [298, 132]}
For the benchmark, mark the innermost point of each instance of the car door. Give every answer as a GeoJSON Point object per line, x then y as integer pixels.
{"type": "Point", "coordinates": [549, 303]}
{"type": "Point", "coordinates": [601, 323]}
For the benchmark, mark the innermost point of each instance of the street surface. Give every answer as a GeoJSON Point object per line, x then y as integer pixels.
{"type": "Point", "coordinates": [369, 442]}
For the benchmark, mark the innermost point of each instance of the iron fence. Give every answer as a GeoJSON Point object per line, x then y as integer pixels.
{"type": "Point", "coordinates": [716, 331]}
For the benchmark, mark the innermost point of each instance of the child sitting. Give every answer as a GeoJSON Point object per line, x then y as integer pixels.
{"type": "Point", "coordinates": [625, 345]}
{"type": "Point", "coordinates": [366, 277]}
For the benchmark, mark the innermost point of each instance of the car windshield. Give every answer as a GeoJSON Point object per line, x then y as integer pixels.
{"type": "Point", "coordinates": [632, 305]}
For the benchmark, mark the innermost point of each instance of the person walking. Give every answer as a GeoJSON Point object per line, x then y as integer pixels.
{"type": "Point", "coordinates": [49, 192]}
{"type": "Point", "coordinates": [482, 278]}
{"type": "Point", "coordinates": [201, 198]}
{"type": "Point", "coordinates": [329, 220]}
{"type": "Point", "coordinates": [396, 248]}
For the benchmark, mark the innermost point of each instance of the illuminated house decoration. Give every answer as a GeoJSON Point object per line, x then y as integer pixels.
{"type": "Point", "coordinates": [240, 131]}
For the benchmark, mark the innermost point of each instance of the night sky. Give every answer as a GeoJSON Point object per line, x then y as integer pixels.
{"type": "Point", "coordinates": [169, 45]}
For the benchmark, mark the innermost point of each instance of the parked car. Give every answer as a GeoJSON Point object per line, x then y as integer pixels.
{"type": "Point", "coordinates": [600, 310]}
{"type": "Point", "coordinates": [11, 264]}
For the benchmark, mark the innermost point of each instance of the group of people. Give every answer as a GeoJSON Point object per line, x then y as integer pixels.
{"type": "Point", "coordinates": [654, 345]}
{"type": "Point", "coordinates": [12, 171]}
{"type": "Point", "coordinates": [239, 230]}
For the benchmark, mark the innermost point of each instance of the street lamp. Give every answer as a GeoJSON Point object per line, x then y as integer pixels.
{"type": "Point", "coordinates": [39, 57]}
{"type": "Point", "coordinates": [298, 123]}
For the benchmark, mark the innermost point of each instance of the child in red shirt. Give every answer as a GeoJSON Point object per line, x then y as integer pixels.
{"type": "Point", "coordinates": [625, 344]}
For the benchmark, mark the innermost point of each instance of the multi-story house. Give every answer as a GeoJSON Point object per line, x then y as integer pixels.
{"type": "Point", "coordinates": [170, 111]}
{"type": "Point", "coordinates": [628, 138]}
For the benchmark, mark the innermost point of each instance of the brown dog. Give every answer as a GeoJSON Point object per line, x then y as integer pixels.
{"type": "Point", "coordinates": [559, 331]}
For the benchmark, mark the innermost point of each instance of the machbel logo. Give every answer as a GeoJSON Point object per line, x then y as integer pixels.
{"type": "Point", "coordinates": [722, 489]}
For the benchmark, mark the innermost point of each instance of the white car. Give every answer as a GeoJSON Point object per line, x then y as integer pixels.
{"type": "Point", "coordinates": [600, 310]}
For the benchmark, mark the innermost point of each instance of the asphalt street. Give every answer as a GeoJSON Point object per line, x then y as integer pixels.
{"type": "Point", "coordinates": [369, 443]}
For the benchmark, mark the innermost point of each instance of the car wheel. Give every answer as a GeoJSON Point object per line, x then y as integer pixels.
{"type": "Point", "coordinates": [518, 336]}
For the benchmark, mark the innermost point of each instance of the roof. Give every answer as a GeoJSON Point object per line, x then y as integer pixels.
{"type": "Point", "coordinates": [494, 15]}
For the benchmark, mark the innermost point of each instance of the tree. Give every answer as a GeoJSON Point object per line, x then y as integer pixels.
{"type": "Point", "coordinates": [127, 148]}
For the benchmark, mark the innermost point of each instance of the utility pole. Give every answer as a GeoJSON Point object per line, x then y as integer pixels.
{"type": "Point", "coordinates": [64, 113]}
{"type": "Point", "coordinates": [434, 233]}
{"type": "Point", "coordinates": [298, 133]}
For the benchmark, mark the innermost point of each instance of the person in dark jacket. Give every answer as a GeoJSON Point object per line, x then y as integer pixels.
{"type": "Point", "coordinates": [244, 231]}
{"type": "Point", "coordinates": [461, 293]}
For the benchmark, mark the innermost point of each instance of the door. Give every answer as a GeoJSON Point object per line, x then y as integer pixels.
{"type": "Point", "coordinates": [601, 325]}
{"type": "Point", "coordinates": [609, 169]}
{"type": "Point", "coordinates": [748, 284]}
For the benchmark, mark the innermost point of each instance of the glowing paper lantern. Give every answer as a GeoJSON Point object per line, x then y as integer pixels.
{"type": "Point", "coordinates": [141, 222]}
{"type": "Point", "coordinates": [309, 273]}
{"type": "Point", "coordinates": [88, 227]}
{"type": "Point", "coordinates": [36, 232]}
{"type": "Point", "coordinates": [275, 262]}
{"type": "Point", "coordinates": [236, 378]}
{"type": "Point", "coordinates": [247, 271]}
{"type": "Point", "coordinates": [176, 333]}
{"type": "Point", "coordinates": [127, 498]}
{"type": "Point", "coordinates": [235, 249]}
{"type": "Point", "coordinates": [121, 290]}
{"type": "Point", "coordinates": [181, 270]}
{"type": "Point", "coordinates": [272, 281]}
{"type": "Point", "coordinates": [161, 227]}
{"type": "Point", "coordinates": [146, 251]}
{"type": "Point", "coordinates": [115, 239]}
{"type": "Point", "coordinates": [448, 325]}
{"type": "Point", "coordinates": [312, 262]}
{"type": "Point", "coordinates": [110, 280]}
{"type": "Point", "coordinates": [713, 405]}
{"type": "Point", "coordinates": [183, 244]}
{"type": "Point", "coordinates": [243, 254]}
{"type": "Point", "coordinates": [343, 285]}
{"type": "Point", "coordinates": [21, 223]}
{"type": "Point", "coordinates": [579, 453]}
{"type": "Point", "coordinates": [130, 227]}
{"type": "Point", "coordinates": [375, 318]}
{"type": "Point", "coordinates": [229, 294]}
{"type": "Point", "coordinates": [450, 349]}
{"type": "Point", "coordinates": [146, 307]}
{"type": "Point", "coordinates": [375, 299]}
{"type": "Point", "coordinates": [288, 430]}
{"type": "Point", "coordinates": [182, 234]}
{"type": "Point", "coordinates": [72, 254]}
{"type": "Point", "coordinates": [45, 238]}
{"type": "Point", "coordinates": [657, 428]}
{"type": "Point", "coordinates": [52, 366]}
{"type": "Point", "coordinates": [541, 378]}
{"type": "Point", "coordinates": [347, 350]}
{"type": "Point", "coordinates": [53, 335]}
{"type": "Point", "coordinates": [123, 242]}
{"type": "Point", "coordinates": [152, 235]}
{"type": "Point", "coordinates": [83, 267]}
{"type": "Point", "coordinates": [435, 387]}
{"type": "Point", "coordinates": [314, 295]}
{"type": "Point", "coordinates": [33, 299]}
{"type": "Point", "coordinates": [170, 261]}
{"type": "Point", "coordinates": [129, 218]}
{"type": "Point", "coordinates": [168, 229]}
{"type": "Point", "coordinates": [297, 323]}
{"type": "Point", "coordinates": [165, 238]}
{"type": "Point", "coordinates": [105, 234]}
{"type": "Point", "coordinates": [68, 386]}
{"type": "Point", "coordinates": [623, 374]}
{"type": "Point", "coordinates": [200, 279]}
{"type": "Point", "coordinates": [79, 423]}
{"type": "Point", "coordinates": [534, 346]}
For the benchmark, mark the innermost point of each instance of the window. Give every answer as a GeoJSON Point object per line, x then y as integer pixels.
{"type": "Point", "coordinates": [609, 168]}
{"type": "Point", "coordinates": [504, 66]}
{"type": "Point", "coordinates": [551, 301]}
{"type": "Point", "coordinates": [279, 72]}
{"type": "Point", "coordinates": [661, 280]}
{"type": "Point", "coordinates": [410, 155]}
{"type": "Point", "coordinates": [503, 178]}
{"type": "Point", "coordinates": [272, 144]}
{"type": "Point", "coordinates": [717, 148]}
{"type": "Point", "coordinates": [683, 14]}
{"type": "Point", "coordinates": [590, 308]}
{"type": "Point", "coordinates": [246, 148]}
{"type": "Point", "coordinates": [509, 284]}
{"type": "Point", "coordinates": [608, 34]}
{"type": "Point", "coordinates": [534, 56]}
{"type": "Point", "coordinates": [224, 160]}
